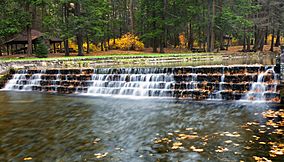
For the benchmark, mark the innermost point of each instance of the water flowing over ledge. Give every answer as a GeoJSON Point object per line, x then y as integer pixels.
{"type": "Point", "coordinates": [236, 82]}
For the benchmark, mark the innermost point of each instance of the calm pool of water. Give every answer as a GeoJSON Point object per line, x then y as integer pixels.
{"type": "Point", "coordinates": [44, 127]}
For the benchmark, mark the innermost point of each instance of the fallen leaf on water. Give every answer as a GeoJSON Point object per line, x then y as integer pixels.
{"type": "Point", "coordinates": [196, 149]}
{"type": "Point", "coordinates": [236, 144]}
{"type": "Point", "coordinates": [188, 129]}
{"type": "Point", "coordinates": [271, 143]}
{"type": "Point", "coordinates": [221, 149]}
{"type": "Point", "coordinates": [27, 158]}
{"type": "Point", "coordinates": [176, 145]}
{"type": "Point", "coordinates": [100, 155]}
{"type": "Point", "coordinates": [247, 147]}
{"type": "Point", "coordinates": [232, 134]}
{"type": "Point", "coordinates": [262, 131]}
{"type": "Point", "coordinates": [262, 143]}
{"type": "Point", "coordinates": [251, 141]}
{"type": "Point", "coordinates": [277, 149]}
{"type": "Point", "coordinates": [185, 136]}
{"type": "Point", "coordinates": [261, 159]}
{"type": "Point", "coordinates": [157, 141]}
{"type": "Point", "coordinates": [229, 141]}
{"type": "Point", "coordinates": [256, 137]}
{"type": "Point", "coordinates": [278, 131]}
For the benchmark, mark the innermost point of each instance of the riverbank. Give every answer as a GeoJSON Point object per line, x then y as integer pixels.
{"type": "Point", "coordinates": [137, 60]}
{"type": "Point", "coordinates": [235, 50]}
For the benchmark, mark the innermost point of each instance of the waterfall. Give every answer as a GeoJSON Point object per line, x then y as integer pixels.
{"type": "Point", "coordinates": [265, 84]}
{"type": "Point", "coordinates": [218, 93]}
{"type": "Point", "coordinates": [131, 82]}
{"type": "Point", "coordinates": [23, 82]}
{"type": "Point", "coordinates": [248, 82]}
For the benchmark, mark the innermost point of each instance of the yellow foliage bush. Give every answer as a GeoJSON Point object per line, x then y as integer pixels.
{"type": "Point", "coordinates": [182, 40]}
{"type": "Point", "coordinates": [74, 46]}
{"type": "Point", "coordinates": [129, 42]}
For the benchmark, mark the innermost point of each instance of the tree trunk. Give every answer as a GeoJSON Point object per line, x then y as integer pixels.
{"type": "Point", "coordinates": [102, 46]}
{"type": "Point", "coordinates": [66, 47]}
{"type": "Point", "coordinates": [79, 34]}
{"type": "Point", "coordinates": [29, 37]}
{"type": "Point", "coordinates": [54, 47]}
{"type": "Point", "coordinates": [248, 44]}
{"type": "Point", "coordinates": [29, 29]}
{"type": "Point", "coordinates": [131, 12]}
{"type": "Point", "coordinates": [209, 27]}
{"type": "Point", "coordinates": [221, 36]}
{"type": "Point", "coordinates": [162, 46]}
{"type": "Point", "coordinates": [65, 15]}
{"type": "Point", "coordinates": [88, 45]}
{"type": "Point", "coordinates": [105, 46]}
{"type": "Point", "coordinates": [155, 50]}
{"type": "Point", "coordinates": [163, 35]}
{"type": "Point", "coordinates": [277, 44]}
{"type": "Point", "coordinates": [272, 41]}
{"type": "Point", "coordinates": [256, 39]}
{"type": "Point", "coordinates": [266, 36]}
{"type": "Point", "coordinates": [7, 46]}
{"type": "Point", "coordinates": [212, 25]}
{"type": "Point", "coordinates": [261, 42]}
{"type": "Point", "coordinates": [244, 41]}
{"type": "Point", "coordinates": [190, 40]}
{"type": "Point", "coordinates": [113, 23]}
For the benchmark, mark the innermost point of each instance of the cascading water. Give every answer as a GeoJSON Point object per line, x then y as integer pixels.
{"type": "Point", "coordinates": [140, 82]}
{"type": "Point", "coordinates": [262, 87]}
{"type": "Point", "coordinates": [24, 83]}
{"type": "Point", "coordinates": [249, 82]}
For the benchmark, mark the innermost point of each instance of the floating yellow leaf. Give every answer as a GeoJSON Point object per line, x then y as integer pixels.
{"type": "Point", "coordinates": [158, 141]}
{"type": "Point", "coordinates": [185, 136]}
{"type": "Point", "coordinates": [196, 149]}
{"type": "Point", "coordinates": [221, 149]}
{"type": "Point", "coordinates": [100, 155]}
{"type": "Point", "coordinates": [176, 145]}
{"type": "Point", "coordinates": [27, 158]}
{"type": "Point", "coordinates": [229, 141]}
{"type": "Point", "coordinates": [232, 134]}
{"type": "Point", "coordinates": [247, 147]}
{"type": "Point", "coordinates": [236, 144]}
{"type": "Point", "coordinates": [188, 129]}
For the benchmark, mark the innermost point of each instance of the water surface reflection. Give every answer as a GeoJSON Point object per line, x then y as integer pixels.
{"type": "Point", "coordinates": [46, 127]}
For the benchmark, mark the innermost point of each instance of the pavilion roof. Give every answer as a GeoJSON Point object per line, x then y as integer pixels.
{"type": "Point", "coordinates": [23, 37]}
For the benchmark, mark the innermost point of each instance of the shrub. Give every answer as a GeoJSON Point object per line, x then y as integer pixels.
{"type": "Point", "coordinates": [41, 50]}
{"type": "Point", "coordinates": [129, 42]}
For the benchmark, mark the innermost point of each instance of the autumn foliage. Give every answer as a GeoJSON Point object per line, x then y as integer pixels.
{"type": "Point", "coordinates": [182, 40]}
{"type": "Point", "coordinates": [129, 42]}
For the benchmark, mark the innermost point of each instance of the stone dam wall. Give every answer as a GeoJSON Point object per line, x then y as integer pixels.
{"type": "Point", "coordinates": [237, 82]}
